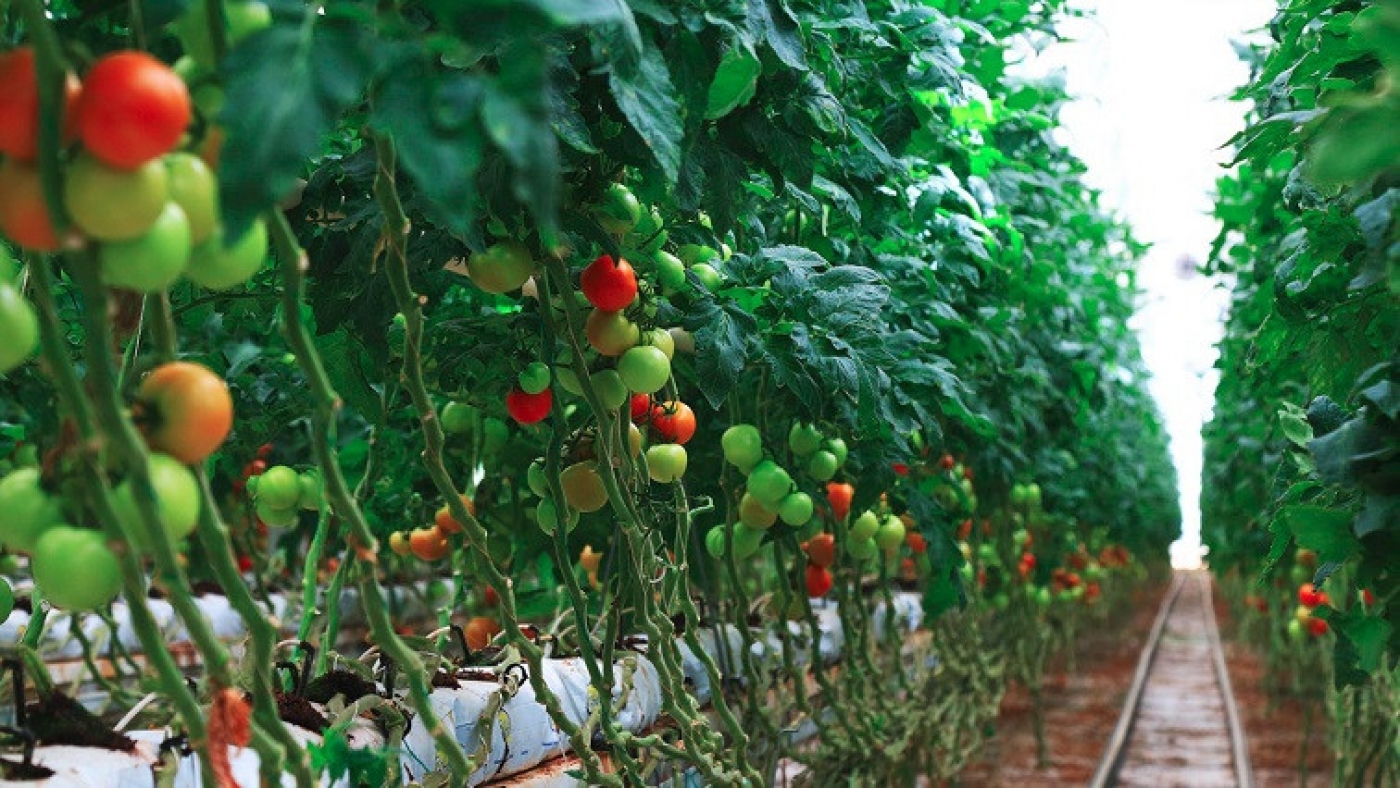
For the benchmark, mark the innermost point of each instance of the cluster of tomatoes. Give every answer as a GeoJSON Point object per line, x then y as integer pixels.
{"type": "Point", "coordinates": [1309, 599]}
{"type": "Point", "coordinates": [432, 542]}
{"type": "Point", "coordinates": [185, 412]}
{"type": "Point", "coordinates": [280, 492]}
{"type": "Point", "coordinates": [149, 210]}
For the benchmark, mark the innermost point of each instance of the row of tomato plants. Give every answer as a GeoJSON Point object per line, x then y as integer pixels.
{"type": "Point", "coordinates": [624, 315]}
{"type": "Point", "coordinates": [1302, 478]}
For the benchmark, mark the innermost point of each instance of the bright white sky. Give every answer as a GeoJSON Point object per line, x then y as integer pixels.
{"type": "Point", "coordinates": [1150, 118]}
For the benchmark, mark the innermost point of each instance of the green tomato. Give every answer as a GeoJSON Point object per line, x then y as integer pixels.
{"type": "Point", "coordinates": [822, 466]}
{"type": "Point", "coordinates": [215, 266]}
{"type": "Point", "coordinates": [645, 369]}
{"type": "Point", "coordinates": [503, 267]}
{"type": "Point", "coordinates": [803, 439]}
{"type": "Point", "coordinates": [279, 487]}
{"type": "Point", "coordinates": [312, 488]}
{"type": "Point", "coordinates": [709, 278]}
{"type": "Point", "coordinates": [495, 433]}
{"type": "Point", "coordinates": [547, 516]}
{"type": "Point", "coordinates": [754, 514]}
{"type": "Point", "coordinates": [692, 254]}
{"type": "Point", "coordinates": [769, 483]}
{"type": "Point", "coordinates": [865, 526]}
{"type": "Point", "coordinates": [612, 392]}
{"type": "Point", "coordinates": [838, 449]}
{"type": "Point", "coordinates": [661, 339]}
{"type": "Point", "coordinates": [241, 20]}
{"type": "Point", "coordinates": [890, 534]}
{"type": "Point", "coordinates": [1001, 600]}
{"type": "Point", "coordinates": [177, 499]}
{"type": "Point", "coordinates": [670, 272]}
{"type": "Point", "coordinates": [862, 549]}
{"type": "Point", "coordinates": [987, 554]}
{"type": "Point", "coordinates": [29, 510]}
{"type": "Point", "coordinates": [19, 325]}
{"type": "Point", "coordinates": [151, 262]}
{"type": "Point", "coordinates": [747, 540]}
{"type": "Point", "coordinates": [568, 381]}
{"type": "Point", "coordinates": [1033, 495]}
{"type": "Point", "coordinates": [715, 542]}
{"type": "Point", "coordinates": [75, 569]}
{"type": "Point", "coordinates": [457, 418]}
{"type": "Point", "coordinates": [618, 211]}
{"type": "Point", "coordinates": [534, 378]}
{"type": "Point", "coordinates": [275, 516]}
{"type": "Point", "coordinates": [743, 446]}
{"type": "Point", "coordinates": [194, 188]}
{"type": "Point", "coordinates": [1018, 495]}
{"type": "Point", "coordinates": [796, 508]}
{"type": "Point", "coordinates": [115, 205]}
{"type": "Point", "coordinates": [1295, 631]}
{"type": "Point", "coordinates": [666, 462]}
{"type": "Point", "coordinates": [1043, 597]}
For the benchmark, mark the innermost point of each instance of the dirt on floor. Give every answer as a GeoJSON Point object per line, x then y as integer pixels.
{"type": "Point", "coordinates": [1081, 709]}
{"type": "Point", "coordinates": [1274, 725]}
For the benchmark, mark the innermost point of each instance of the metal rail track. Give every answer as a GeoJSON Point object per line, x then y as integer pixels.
{"type": "Point", "coordinates": [1117, 748]}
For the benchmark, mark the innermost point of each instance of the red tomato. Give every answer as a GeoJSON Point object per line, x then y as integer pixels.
{"type": "Point", "coordinates": [839, 495]}
{"type": "Point", "coordinates": [492, 598]}
{"type": "Point", "coordinates": [946, 462]}
{"type": "Point", "coordinates": [821, 550]}
{"type": "Point", "coordinates": [19, 105]}
{"type": "Point", "coordinates": [1308, 596]}
{"type": "Point", "coordinates": [641, 407]}
{"type": "Point", "coordinates": [900, 469]}
{"type": "Point", "coordinates": [965, 529]}
{"type": "Point", "coordinates": [1367, 598]}
{"type": "Point", "coordinates": [674, 421]}
{"type": "Point", "coordinates": [480, 631]}
{"type": "Point", "coordinates": [917, 543]}
{"type": "Point", "coordinates": [609, 286]}
{"type": "Point", "coordinates": [245, 563]}
{"type": "Point", "coordinates": [1317, 627]}
{"type": "Point", "coordinates": [133, 109]}
{"type": "Point", "coordinates": [529, 408]}
{"type": "Point", "coordinates": [819, 580]}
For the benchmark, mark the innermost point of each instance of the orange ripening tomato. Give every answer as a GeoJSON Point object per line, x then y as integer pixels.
{"type": "Point", "coordinates": [448, 524]}
{"type": "Point", "coordinates": [19, 105]}
{"type": "Point", "coordinates": [133, 109]}
{"type": "Point", "coordinates": [429, 544]}
{"type": "Point", "coordinates": [917, 543]}
{"type": "Point", "coordinates": [185, 410]}
{"type": "Point", "coordinates": [24, 216]}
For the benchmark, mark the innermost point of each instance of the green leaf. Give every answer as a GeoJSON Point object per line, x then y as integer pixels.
{"type": "Point", "coordinates": [735, 81]}
{"type": "Point", "coordinates": [1294, 424]}
{"type": "Point", "coordinates": [286, 86]}
{"type": "Point", "coordinates": [350, 369]}
{"type": "Point", "coordinates": [722, 331]}
{"type": "Point", "coordinates": [432, 116]}
{"type": "Point", "coordinates": [1328, 531]}
{"type": "Point", "coordinates": [643, 91]}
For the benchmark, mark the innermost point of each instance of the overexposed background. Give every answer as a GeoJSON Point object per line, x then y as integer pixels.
{"type": "Point", "coordinates": [1151, 116]}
